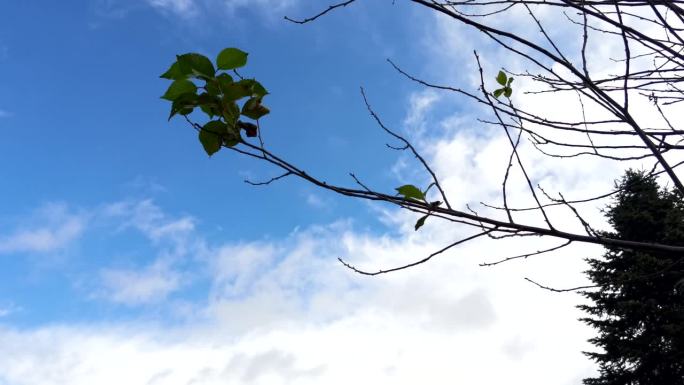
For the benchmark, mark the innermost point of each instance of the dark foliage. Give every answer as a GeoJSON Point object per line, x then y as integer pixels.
{"type": "Point", "coordinates": [638, 307]}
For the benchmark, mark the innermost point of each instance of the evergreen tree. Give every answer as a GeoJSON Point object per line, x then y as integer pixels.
{"type": "Point", "coordinates": [638, 307]}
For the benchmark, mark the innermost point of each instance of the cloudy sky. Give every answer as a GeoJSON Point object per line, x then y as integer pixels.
{"type": "Point", "coordinates": [130, 257]}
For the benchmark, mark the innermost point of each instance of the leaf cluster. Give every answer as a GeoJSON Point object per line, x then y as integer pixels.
{"type": "Point", "coordinates": [505, 82]}
{"type": "Point", "coordinates": [198, 83]}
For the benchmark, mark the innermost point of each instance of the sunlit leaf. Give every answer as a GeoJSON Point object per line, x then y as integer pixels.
{"type": "Point", "coordinates": [410, 191]}
{"type": "Point", "coordinates": [174, 73]}
{"type": "Point", "coordinates": [501, 78]}
{"type": "Point", "coordinates": [197, 64]}
{"type": "Point", "coordinates": [231, 58]}
{"type": "Point", "coordinates": [178, 88]}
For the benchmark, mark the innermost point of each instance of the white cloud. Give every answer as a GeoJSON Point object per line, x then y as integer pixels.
{"type": "Point", "coordinates": [146, 217]}
{"type": "Point", "coordinates": [273, 5]}
{"type": "Point", "coordinates": [286, 312]}
{"type": "Point", "coordinates": [51, 227]}
{"type": "Point", "coordinates": [191, 8]}
{"type": "Point", "coordinates": [182, 7]}
{"type": "Point", "coordinates": [420, 104]}
{"type": "Point", "coordinates": [137, 287]}
{"type": "Point", "coordinates": [319, 201]}
{"type": "Point", "coordinates": [7, 309]}
{"type": "Point", "coordinates": [173, 242]}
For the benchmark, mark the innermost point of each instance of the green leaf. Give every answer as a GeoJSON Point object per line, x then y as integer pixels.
{"type": "Point", "coordinates": [231, 58]}
{"type": "Point", "coordinates": [421, 222]}
{"type": "Point", "coordinates": [510, 80]}
{"type": "Point", "coordinates": [508, 91]}
{"type": "Point", "coordinates": [498, 92]}
{"type": "Point", "coordinates": [183, 105]}
{"type": "Point", "coordinates": [211, 142]}
{"type": "Point", "coordinates": [212, 87]}
{"type": "Point", "coordinates": [174, 72]}
{"type": "Point", "coordinates": [178, 88]}
{"type": "Point", "coordinates": [209, 104]}
{"type": "Point", "coordinates": [501, 78]}
{"type": "Point", "coordinates": [231, 112]}
{"type": "Point", "coordinates": [410, 191]}
{"type": "Point", "coordinates": [216, 127]}
{"type": "Point", "coordinates": [211, 136]}
{"type": "Point", "coordinates": [253, 108]}
{"type": "Point", "coordinates": [239, 90]}
{"type": "Point", "coordinates": [259, 90]}
{"type": "Point", "coordinates": [224, 81]}
{"type": "Point", "coordinates": [197, 64]}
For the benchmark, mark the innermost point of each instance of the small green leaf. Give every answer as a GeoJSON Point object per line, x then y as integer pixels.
{"type": "Point", "coordinates": [259, 90]}
{"type": "Point", "coordinates": [253, 108]}
{"type": "Point", "coordinates": [224, 81]}
{"type": "Point", "coordinates": [421, 222]}
{"type": "Point", "coordinates": [210, 141]}
{"type": "Point", "coordinates": [209, 104]}
{"type": "Point", "coordinates": [239, 90]}
{"type": "Point", "coordinates": [498, 92]}
{"type": "Point", "coordinates": [184, 104]}
{"type": "Point", "coordinates": [410, 191]}
{"type": "Point", "coordinates": [216, 127]}
{"type": "Point", "coordinates": [510, 80]}
{"type": "Point", "coordinates": [211, 136]}
{"type": "Point", "coordinates": [174, 73]}
{"type": "Point", "coordinates": [231, 112]}
{"type": "Point", "coordinates": [206, 98]}
{"type": "Point", "coordinates": [508, 91]}
{"type": "Point", "coordinates": [178, 88]}
{"type": "Point", "coordinates": [501, 78]}
{"type": "Point", "coordinates": [231, 58]}
{"type": "Point", "coordinates": [212, 86]}
{"type": "Point", "coordinates": [197, 64]}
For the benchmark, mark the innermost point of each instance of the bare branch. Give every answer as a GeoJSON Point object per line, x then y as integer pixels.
{"type": "Point", "coordinates": [525, 256]}
{"type": "Point", "coordinates": [288, 173]}
{"type": "Point", "coordinates": [316, 16]}
{"type": "Point", "coordinates": [416, 263]}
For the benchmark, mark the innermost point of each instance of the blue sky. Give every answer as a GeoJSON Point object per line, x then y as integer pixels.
{"type": "Point", "coordinates": [85, 125]}
{"type": "Point", "coordinates": [129, 256]}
